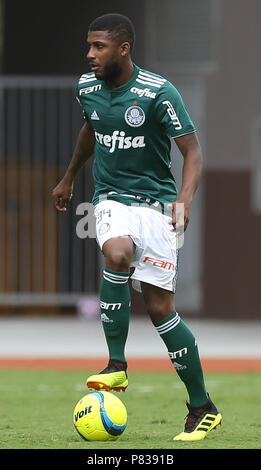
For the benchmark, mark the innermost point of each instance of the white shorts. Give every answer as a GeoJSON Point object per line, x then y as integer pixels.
{"type": "Point", "coordinates": [156, 257]}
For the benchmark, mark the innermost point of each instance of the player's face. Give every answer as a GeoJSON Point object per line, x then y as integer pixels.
{"type": "Point", "coordinates": [104, 55]}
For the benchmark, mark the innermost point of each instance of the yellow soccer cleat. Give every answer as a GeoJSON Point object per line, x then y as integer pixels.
{"type": "Point", "coordinates": [113, 377]}
{"type": "Point", "coordinates": [199, 422]}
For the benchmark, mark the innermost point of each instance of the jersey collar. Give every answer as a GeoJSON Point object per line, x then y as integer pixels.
{"type": "Point", "coordinates": [127, 84]}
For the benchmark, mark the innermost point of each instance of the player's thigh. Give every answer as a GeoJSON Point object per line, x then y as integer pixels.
{"type": "Point", "coordinates": [114, 220]}
{"type": "Point", "coordinates": [158, 261]}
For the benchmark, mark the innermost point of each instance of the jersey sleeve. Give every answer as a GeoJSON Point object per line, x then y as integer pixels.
{"type": "Point", "coordinates": [171, 112]}
{"type": "Point", "coordinates": [85, 116]}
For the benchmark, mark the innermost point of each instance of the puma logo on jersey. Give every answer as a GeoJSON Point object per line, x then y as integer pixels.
{"type": "Point", "coordinates": [119, 140]}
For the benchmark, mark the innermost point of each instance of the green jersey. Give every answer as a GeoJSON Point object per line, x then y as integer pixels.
{"type": "Point", "coordinates": [133, 126]}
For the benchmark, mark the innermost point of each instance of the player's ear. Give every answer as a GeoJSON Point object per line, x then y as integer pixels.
{"type": "Point", "coordinates": [125, 49]}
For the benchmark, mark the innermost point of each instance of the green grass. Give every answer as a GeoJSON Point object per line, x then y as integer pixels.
{"type": "Point", "coordinates": [37, 408]}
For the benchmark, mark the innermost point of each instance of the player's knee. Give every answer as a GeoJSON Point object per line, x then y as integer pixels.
{"type": "Point", "coordinates": [156, 311]}
{"type": "Point", "coordinates": [159, 310]}
{"type": "Point", "coordinates": [118, 261]}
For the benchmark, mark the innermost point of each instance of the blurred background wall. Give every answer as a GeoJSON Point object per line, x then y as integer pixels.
{"type": "Point", "coordinates": [209, 49]}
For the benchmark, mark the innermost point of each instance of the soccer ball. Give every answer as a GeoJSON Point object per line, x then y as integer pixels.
{"type": "Point", "coordinates": [100, 416]}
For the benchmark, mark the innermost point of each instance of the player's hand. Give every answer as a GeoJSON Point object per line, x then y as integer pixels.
{"type": "Point", "coordinates": [62, 194]}
{"type": "Point", "coordinates": [180, 214]}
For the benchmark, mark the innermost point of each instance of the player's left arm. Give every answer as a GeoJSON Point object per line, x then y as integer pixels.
{"type": "Point", "coordinates": [173, 116]}
{"type": "Point", "coordinates": [190, 148]}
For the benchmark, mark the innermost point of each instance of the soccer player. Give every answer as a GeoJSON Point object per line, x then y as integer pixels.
{"type": "Point", "coordinates": [131, 116]}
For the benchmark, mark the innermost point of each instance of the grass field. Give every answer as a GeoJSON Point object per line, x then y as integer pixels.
{"type": "Point", "coordinates": [37, 408]}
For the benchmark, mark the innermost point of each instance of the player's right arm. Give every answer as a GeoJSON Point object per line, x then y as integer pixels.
{"type": "Point", "coordinates": [84, 149]}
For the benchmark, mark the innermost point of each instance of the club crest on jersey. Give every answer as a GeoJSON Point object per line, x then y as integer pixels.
{"type": "Point", "coordinates": [135, 116]}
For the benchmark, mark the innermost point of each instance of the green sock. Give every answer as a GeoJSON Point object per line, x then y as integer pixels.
{"type": "Point", "coordinates": [115, 311]}
{"type": "Point", "coordinates": [183, 352]}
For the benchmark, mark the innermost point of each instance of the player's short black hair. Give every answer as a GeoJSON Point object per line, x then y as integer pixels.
{"type": "Point", "coordinates": [119, 26]}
